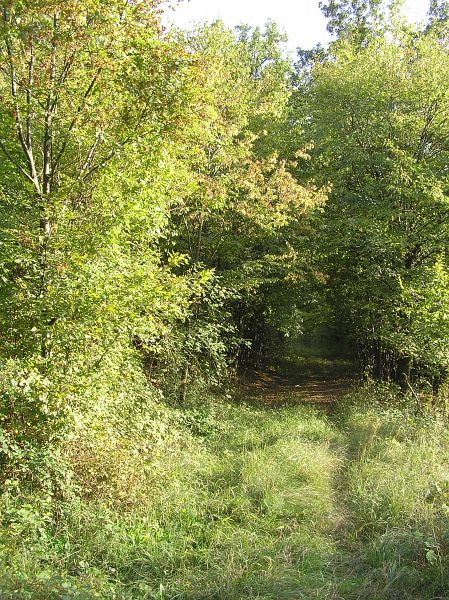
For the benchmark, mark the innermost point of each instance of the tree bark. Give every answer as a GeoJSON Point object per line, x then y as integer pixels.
{"type": "Point", "coordinates": [403, 372]}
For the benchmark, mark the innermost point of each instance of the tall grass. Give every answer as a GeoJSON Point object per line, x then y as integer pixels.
{"type": "Point", "coordinates": [395, 489]}
{"type": "Point", "coordinates": [248, 503]}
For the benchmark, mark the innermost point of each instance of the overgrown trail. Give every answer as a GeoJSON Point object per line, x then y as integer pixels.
{"type": "Point", "coordinates": [369, 546]}
{"type": "Point", "coordinates": [292, 492]}
{"type": "Point", "coordinates": [274, 390]}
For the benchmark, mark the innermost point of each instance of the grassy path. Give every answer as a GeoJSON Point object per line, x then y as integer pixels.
{"type": "Point", "coordinates": [308, 500]}
{"type": "Point", "coordinates": [292, 494]}
{"type": "Point", "coordinates": [341, 495]}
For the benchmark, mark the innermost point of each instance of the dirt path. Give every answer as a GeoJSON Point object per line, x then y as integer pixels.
{"type": "Point", "coordinates": [274, 390]}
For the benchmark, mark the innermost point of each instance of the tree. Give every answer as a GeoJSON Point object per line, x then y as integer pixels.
{"type": "Point", "coordinates": [242, 195]}
{"type": "Point", "coordinates": [438, 22]}
{"type": "Point", "coordinates": [378, 117]}
{"type": "Point", "coordinates": [439, 11]}
{"type": "Point", "coordinates": [82, 83]}
{"type": "Point", "coordinates": [91, 97]}
{"type": "Point", "coordinates": [357, 18]}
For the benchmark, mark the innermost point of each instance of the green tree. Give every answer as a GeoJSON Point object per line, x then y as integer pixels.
{"type": "Point", "coordinates": [242, 197]}
{"type": "Point", "coordinates": [378, 117]}
{"type": "Point", "coordinates": [357, 18]}
{"type": "Point", "coordinates": [91, 97]}
{"type": "Point", "coordinates": [439, 11]}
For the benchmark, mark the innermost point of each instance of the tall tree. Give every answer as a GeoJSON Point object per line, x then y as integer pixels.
{"type": "Point", "coordinates": [242, 192]}
{"type": "Point", "coordinates": [91, 96]}
{"type": "Point", "coordinates": [380, 127]}
{"type": "Point", "coordinates": [81, 84]}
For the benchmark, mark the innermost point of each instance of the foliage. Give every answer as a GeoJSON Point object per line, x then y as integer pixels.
{"type": "Point", "coordinates": [380, 132]}
{"type": "Point", "coordinates": [237, 154]}
{"type": "Point", "coordinates": [165, 219]}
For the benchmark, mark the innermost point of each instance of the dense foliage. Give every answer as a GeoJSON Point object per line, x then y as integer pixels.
{"type": "Point", "coordinates": [175, 206]}
{"type": "Point", "coordinates": [378, 115]}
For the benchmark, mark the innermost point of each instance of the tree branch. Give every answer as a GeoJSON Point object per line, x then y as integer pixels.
{"type": "Point", "coordinates": [49, 112]}
{"type": "Point", "coordinates": [28, 94]}
{"type": "Point", "coordinates": [15, 163]}
{"type": "Point", "coordinates": [75, 118]}
{"type": "Point", "coordinates": [17, 115]}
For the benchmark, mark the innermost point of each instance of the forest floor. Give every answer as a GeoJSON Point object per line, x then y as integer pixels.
{"type": "Point", "coordinates": [307, 487]}
{"type": "Point", "coordinates": [274, 390]}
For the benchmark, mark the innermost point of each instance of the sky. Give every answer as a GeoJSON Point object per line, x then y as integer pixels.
{"type": "Point", "coordinates": [301, 19]}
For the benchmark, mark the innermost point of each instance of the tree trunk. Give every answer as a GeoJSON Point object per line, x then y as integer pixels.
{"type": "Point", "coordinates": [403, 372]}
{"type": "Point", "coordinates": [184, 382]}
{"type": "Point", "coordinates": [378, 361]}
{"type": "Point", "coordinates": [437, 380]}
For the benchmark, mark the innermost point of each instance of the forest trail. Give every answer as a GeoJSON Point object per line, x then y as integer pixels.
{"type": "Point", "coordinates": [274, 390]}
{"type": "Point", "coordinates": [324, 478]}
{"type": "Point", "coordinates": [291, 493]}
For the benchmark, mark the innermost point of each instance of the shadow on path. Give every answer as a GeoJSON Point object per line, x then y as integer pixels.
{"type": "Point", "coordinates": [274, 390]}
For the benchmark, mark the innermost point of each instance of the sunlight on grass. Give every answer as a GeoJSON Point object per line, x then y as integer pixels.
{"type": "Point", "coordinates": [274, 505]}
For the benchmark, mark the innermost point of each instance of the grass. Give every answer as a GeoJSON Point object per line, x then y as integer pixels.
{"type": "Point", "coordinates": [251, 503]}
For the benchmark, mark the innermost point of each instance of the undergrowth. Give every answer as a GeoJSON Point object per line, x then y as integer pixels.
{"type": "Point", "coordinates": [240, 502]}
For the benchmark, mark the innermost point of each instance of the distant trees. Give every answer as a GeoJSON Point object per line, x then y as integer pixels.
{"type": "Point", "coordinates": [439, 11]}
{"type": "Point", "coordinates": [355, 18]}
{"type": "Point", "coordinates": [232, 221]}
